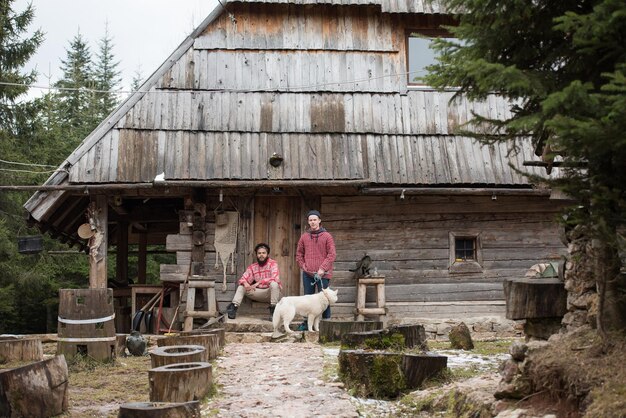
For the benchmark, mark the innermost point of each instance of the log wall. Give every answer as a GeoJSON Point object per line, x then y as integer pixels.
{"type": "Point", "coordinates": [408, 241]}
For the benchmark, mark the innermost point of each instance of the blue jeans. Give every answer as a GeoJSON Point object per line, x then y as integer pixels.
{"type": "Point", "coordinates": [311, 287]}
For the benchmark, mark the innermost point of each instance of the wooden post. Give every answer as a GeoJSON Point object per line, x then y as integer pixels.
{"type": "Point", "coordinates": [98, 218]}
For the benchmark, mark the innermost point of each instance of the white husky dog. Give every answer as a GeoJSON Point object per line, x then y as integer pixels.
{"type": "Point", "coordinates": [309, 306]}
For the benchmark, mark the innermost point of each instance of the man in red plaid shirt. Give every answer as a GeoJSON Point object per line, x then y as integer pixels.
{"type": "Point", "coordinates": [260, 282]}
{"type": "Point", "coordinates": [315, 255]}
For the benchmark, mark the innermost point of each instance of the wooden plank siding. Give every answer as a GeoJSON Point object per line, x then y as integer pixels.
{"type": "Point", "coordinates": [407, 160]}
{"type": "Point", "coordinates": [408, 242]}
{"type": "Point", "coordinates": [390, 114]}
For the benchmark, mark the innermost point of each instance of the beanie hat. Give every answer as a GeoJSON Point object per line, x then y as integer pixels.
{"type": "Point", "coordinates": [313, 212]}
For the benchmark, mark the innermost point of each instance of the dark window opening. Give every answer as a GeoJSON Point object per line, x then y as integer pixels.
{"type": "Point", "coordinates": [465, 249]}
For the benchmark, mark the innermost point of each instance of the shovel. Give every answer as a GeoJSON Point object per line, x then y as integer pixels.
{"type": "Point", "coordinates": [140, 313]}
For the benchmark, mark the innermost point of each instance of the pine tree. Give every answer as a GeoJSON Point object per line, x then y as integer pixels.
{"type": "Point", "coordinates": [107, 76]}
{"type": "Point", "coordinates": [15, 51]}
{"type": "Point", "coordinates": [137, 80]}
{"type": "Point", "coordinates": [563, 65]}
{"type": "Point", "coordinates": [76, 107]}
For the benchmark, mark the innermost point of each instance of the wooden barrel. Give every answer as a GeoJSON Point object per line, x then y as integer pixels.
{"type": "Point", "coordinates": [86, 323]}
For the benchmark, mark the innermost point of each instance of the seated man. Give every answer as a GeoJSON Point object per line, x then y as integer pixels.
{"type": "Point", "coordinates": [260, 282]}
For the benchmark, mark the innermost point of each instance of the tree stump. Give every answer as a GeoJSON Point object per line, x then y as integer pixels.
{"type": "Point", "coordinates": [372, 374]}
{"type": "Point", "coordinates": [160, 410]}
{"type": "Point", "coordinates": [181, 382]}
{"type": "Point", "coordinates": [535, 298]}
{"type": "Point", "coordinates": [20, 349]}
{"type": "Point", "coordinates": [35, 390]}
{"type": "Point", "coordinates": [419, 367]}
{"type": "Point", "coordinates": [174, 354]}
{"type": "Point", "coordinates": [331, 330]}
{"type": "Point", "coordinates": [220, 332]}
{"type": "Point", "coordinates": [384, 375]}
{"type": "Point", "coordinates": [394, 338]}
{"type": "Point", "coordinates": [414, 335]}
{"type": "Point", "coordinates": [208, 341]}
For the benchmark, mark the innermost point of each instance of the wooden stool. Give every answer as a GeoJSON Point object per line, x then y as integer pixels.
{"type": "Point", "coordinates": [199, 282]}
{"type": "Point", "coordinates": [360, 311]}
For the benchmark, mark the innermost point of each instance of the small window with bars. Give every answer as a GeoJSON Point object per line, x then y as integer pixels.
{"type": "Point", "coordinates": [465, 249]}
{"type": "Point", "coordinates": [465, 252]}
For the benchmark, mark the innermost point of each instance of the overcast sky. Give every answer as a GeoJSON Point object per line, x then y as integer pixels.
{"type": "Point", "coordinates": [144, 32]}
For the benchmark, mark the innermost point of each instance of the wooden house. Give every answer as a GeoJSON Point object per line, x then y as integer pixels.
{"type": "Point", "coordinates": [271, 108]}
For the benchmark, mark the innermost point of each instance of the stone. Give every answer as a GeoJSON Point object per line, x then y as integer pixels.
{"type": "Point", "coordinates": [518, 388]}
{"type": "Point", "coordinates": [518, 351]}
{"type": "Point", "coordinates": [460, 337]}
{"type": "Point", "coordinates": [508, 370]}
{"type": "Point", "coordinates": [575, 319]}
{"type": "Point", "coordinates": [542, 328]}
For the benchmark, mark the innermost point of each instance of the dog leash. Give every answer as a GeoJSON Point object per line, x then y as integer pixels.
{"type": "Point", "coordinates": [317, 279]}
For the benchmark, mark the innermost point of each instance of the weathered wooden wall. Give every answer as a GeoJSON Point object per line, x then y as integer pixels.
{"type": "Point", "coordinates": [409, 243]}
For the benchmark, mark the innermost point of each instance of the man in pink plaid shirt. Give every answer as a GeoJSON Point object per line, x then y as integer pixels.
{"type": "Point", "coordinates": [315, 255]}
{"type": "Point", "coordinates": [260, 282]}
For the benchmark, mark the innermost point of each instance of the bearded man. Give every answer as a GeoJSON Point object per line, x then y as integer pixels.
{"type": "Point", "coordinates": [260, 282]}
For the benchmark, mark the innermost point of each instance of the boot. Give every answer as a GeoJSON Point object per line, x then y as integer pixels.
{"type": "Point", "coordinates": [272, 308]}
{"type": "Point", "coordinates": [232, 311]}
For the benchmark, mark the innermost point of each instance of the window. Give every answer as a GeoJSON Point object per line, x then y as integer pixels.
{"type": "Point", "coordinates": [465, 252]}
{"type": "Point", "coordinates": [420, 53]}
{"type": "Point", "coordinates": [464, 249]}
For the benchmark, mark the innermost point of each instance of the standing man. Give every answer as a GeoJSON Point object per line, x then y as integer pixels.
{"type": "Point", "coordinates": [260, 282]}
{"type": "Point", "coordinates": [315, 255]}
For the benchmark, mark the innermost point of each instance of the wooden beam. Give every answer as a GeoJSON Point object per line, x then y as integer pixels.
{"type": "Point", "coordinates": [98, 217]}
{"type": "Point", "coordinates": [87, 188]}
{"type": "Point", "coordinates": [411, 191]}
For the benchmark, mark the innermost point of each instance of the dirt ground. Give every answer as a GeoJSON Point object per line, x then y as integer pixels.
{"type": "Point", "coordinates": [277, 380]}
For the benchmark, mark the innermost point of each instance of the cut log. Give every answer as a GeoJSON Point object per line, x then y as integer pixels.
{"type": "Point", "coordinates": [35, 390]}
{"type": "Point", "coordinates": [535, 298]}
{"type": "Point", "coordinates": [394, 338]}
{"type": "Point", "coordinates": [331, 330]}
{"type": "Point", "coordinates": [384, 375]}
{"type": "Point", "coordinates": [372, 374]}
{"type": "Point", "coordinates": [374, 340]}
{"type": "Point", "coordinates": [20, 349]}
{"type": "Point", "coordinates": [419, 367]}
{"type": "Point", "coordinates": [209, 341]}
{"type": "Point", "coordinates": [160, 410]}
{"type": "Point", "coordinates": [182, 382]}
{"type": "Point", "coordinates": [162, 356]}
{"type": "Point", "coordinates": [220, 332]}
{"type": "Point", "coordinates": [414, 335]}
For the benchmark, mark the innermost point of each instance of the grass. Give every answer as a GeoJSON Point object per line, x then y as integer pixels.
{"type": "Point", "coordinates": [484, 348]}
